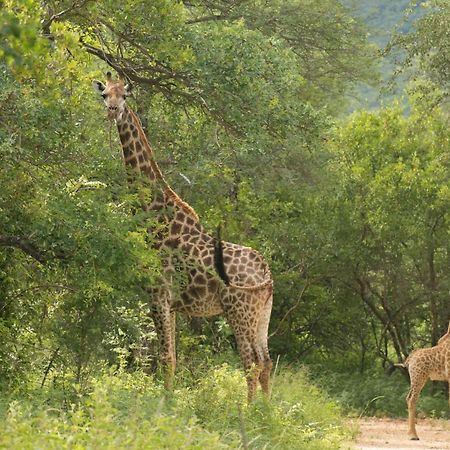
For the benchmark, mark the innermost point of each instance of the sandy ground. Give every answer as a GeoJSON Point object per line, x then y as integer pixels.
{"type": "Point", "coordinates": [380, 433]}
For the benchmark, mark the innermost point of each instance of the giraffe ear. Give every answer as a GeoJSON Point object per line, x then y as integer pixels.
{"type": "Point", "coordinates": [127, 88]}
{"type": "Point", "coordinates": [98, 86]}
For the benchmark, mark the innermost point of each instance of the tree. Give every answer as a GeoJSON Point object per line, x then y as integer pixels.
{"type": "Point", "coordinates": [233, 96]}
{"type": "Point", "coordinates": [74, 263]}
{"type": "Point", "coordinates": [426, 46]}
{"type": "Point", "coordinates": [393, 187]}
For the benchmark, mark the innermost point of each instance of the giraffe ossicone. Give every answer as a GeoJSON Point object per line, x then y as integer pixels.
{"type": "Point", "coordinates": [245, 300]}
{"type": "Point", "coordinates": [426, 364]}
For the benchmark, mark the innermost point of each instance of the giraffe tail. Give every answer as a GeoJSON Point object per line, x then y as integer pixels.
{"type": "Point", "coordinates": [219, 264]}
{"type": "Point", "coordinates": [402, 366]}
{"type": "Point", "coordinates": [391, 369]}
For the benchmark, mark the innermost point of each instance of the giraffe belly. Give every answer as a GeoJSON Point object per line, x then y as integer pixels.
{"type": "Point", "coordinates": [200, 312]}
{"type": "Point", "coordinates": [198, 306]}
{"type": "Point", "coordinates": [201, 297]}
{"type": "Point", "coordinates": [438, 376]}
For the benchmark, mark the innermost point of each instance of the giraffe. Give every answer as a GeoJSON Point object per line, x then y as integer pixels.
{"type": "Point", "coordinates": [222, 277]}
{"type": "Point", "coordinates": [425, 364]}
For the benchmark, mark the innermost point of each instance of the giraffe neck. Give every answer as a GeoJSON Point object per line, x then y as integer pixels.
{"type": "Point", "coordinates": [137, 152]}
{"type": "Point", "coordinates": [138, 155]}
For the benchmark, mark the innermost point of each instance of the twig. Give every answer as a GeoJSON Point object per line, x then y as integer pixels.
{"type": "Point", "coordinates": [242, 427]}
{"type": "Point", "coordinates": [369, 403]}
{"type": "Point", "coordinates": [50, 364]}
{"type": "Point", "coordinates": [290, 310]}
{"type": "Point", "coordinates": [275, 374]}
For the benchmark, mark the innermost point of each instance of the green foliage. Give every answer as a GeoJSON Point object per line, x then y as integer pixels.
{"type": "Point", "coordinates": [376, 394]}
{"type": "Point", "coordinates": [394, 175]}
{"type": "Point", "coordinates": [240, 99]}
{"type": "Point", "coordinates": [168, 41]}
{"type": "Point", "coordinates": [21, 43]}
{"type": "Point", "coordinates": [426, 46]}
{"type": "Point", "coordinates": [131, 411]}
{"type": "Point", "coordinates": [61, 195]}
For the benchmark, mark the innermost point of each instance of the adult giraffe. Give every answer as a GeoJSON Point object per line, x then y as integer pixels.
{"type": "Point", "coordinates": [243, 293]}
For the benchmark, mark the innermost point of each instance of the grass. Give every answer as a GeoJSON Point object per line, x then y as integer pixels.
{"type": "Point", "coordinates": [132, 411]}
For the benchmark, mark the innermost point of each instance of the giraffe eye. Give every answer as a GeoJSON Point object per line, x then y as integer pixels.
{"type": "Point", "coordinates": [104, 95]}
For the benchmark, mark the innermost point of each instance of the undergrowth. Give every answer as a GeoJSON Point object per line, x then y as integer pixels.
{"type": "Point", "coordinates": [132, 411]}
{"type": "Point", "coordinates": [373, 393]}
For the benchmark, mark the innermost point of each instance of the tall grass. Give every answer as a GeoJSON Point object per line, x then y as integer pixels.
{"type": "Point", "coordinates": [132, 411]}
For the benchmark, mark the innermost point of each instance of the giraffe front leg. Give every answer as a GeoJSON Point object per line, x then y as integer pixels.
{"type": "Point", "coordinates": [165, 327]}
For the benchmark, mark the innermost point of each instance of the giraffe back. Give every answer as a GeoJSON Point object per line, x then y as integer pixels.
{"type": "Point", "coordinates": [431, 363]}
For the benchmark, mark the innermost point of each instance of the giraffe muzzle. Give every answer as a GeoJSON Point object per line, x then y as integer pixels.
{"type": "Point", "coordinates": [112, 112]}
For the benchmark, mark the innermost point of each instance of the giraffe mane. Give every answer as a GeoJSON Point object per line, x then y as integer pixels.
{"type": "Point", "coordinates": [169, 191]}
{"type": "Point", "coordinates": [181, 203]}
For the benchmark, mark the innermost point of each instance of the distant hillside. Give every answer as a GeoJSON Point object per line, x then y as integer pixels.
{"type": "Point", "coordinates": [383, 17]}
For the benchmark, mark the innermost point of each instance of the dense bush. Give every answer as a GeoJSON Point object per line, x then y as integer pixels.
{"type": "Point", "coordinates": [376, 394]}
{"type": "Point", "coordinates": [131, 410]}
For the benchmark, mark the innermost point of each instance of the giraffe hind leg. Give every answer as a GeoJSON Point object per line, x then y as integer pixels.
{"type": "Point", "coordinates": [244, 333]}
{"type": "Point", "coordinates": [417, 385]}
{"type": "Point", "coordinates": [250, 324]}
{"type": "Point", "coordinates": [263, 347]}
{"type": "Point", "coordinates": [448, 390]}
{"type": "Point", "coordinates": [251, 366]}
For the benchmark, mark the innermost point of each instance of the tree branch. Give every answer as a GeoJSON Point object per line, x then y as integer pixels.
{"type": "Point", "coordinates": [50, 365]}
{"type": "Point", "coordinates": [25, 245]}
{"type": "Point", "coordinates": [55, 17]}
{"type": "Point", "coordinates": [212, 17]}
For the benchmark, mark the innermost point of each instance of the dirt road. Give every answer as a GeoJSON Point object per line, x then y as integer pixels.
{"type": "Point", "coordinates": [376, 433]}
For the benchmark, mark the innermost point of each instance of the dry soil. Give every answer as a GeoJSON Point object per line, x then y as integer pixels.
{"type": "Point", "coordinates": [381, 433]}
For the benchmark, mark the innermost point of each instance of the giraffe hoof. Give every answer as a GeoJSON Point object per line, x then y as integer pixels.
{"type": "Point", "coordinates": [413, 438]}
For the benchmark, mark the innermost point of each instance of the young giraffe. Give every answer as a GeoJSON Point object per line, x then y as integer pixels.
{"type": "Point", "coordinates": [243, 295]}
{"type": "Point", "coordinates": [425, 364]}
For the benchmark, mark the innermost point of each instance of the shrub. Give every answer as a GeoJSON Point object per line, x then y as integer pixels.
{"type": "Point", "coordinates": [375, 394]}
{"type": "Point", "coordinates": [131, 410]}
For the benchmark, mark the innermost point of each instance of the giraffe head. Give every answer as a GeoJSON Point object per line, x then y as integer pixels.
{"type": "Point", "coordinates": [114, 93]}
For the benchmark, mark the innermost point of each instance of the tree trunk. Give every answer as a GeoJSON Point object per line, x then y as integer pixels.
{"type": "Point", "coordinates": [433, 294]}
